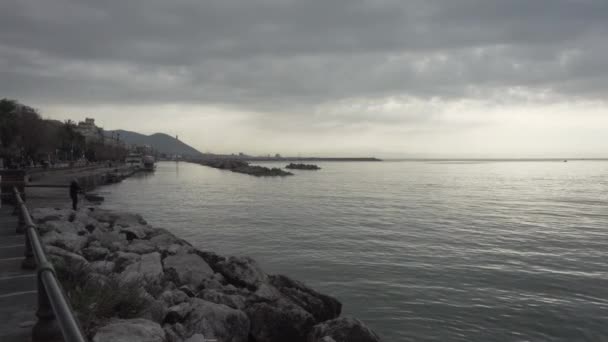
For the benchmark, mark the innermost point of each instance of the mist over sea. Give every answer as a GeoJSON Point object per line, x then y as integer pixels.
{"type": "Point", "coordinates": [420, 251]}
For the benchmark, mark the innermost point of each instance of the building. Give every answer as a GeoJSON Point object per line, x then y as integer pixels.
{"type": "Point", "coordinates": [90, 131]}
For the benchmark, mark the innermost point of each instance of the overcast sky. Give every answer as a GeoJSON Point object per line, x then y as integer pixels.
{"type": "Point", "coordinates": [390, 78]}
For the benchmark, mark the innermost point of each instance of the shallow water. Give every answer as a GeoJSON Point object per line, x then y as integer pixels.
{"type": "Point", "coordinates": [420, 251]}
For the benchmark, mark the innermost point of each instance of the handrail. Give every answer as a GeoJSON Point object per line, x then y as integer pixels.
{"type": "Point", "coordinates": [53, 308]}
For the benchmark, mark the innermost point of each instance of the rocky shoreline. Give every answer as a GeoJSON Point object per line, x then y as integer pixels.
{"type": "Point", "coordinates": [129, 281]}
{"type": "Point", "coordinates": [240, 166]}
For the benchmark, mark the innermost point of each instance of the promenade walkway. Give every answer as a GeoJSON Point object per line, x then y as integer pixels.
{"type": "Point", "coordinates": [17, 286]}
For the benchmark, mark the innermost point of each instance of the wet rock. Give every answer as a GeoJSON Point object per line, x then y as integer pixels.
{"type": "Point", "coordinates": [242, 271]}
{"type": "Point", "coordinates": [321, 306]}
{"type": "Point", "coordinates": [130, 330]}
{"type": "Point", "coordinates": [148, 269]}
{"type": "Point", "coordinates": [187, 269]}
{"type": "Point", "coordinates": [344, 329]}
{"type": "Point", "coordinates": [279, 321]}
{"type": "Point", "coordinates": [217, 321]}
{"type": "Point", "coordinates": [95, 253]}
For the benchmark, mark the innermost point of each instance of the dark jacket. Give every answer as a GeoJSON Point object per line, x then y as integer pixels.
{"type": "Point", "coordinates": [74, 189]}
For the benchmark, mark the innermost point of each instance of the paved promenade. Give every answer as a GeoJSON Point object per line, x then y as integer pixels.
{"type": "Point", "coordinates": [17, 286]}
{"type": "Point", "coordinates": [18, 294]}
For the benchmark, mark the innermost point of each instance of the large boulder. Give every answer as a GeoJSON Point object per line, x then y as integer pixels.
{"type": "Point", "coordinates": [102, 266]}
{"type": "Point", "coordinates": [110, 240]}
{"type": "Point", "coordinates": [217, 321]}
{"type": "Point", "coordinates": [343, 329]}
{"type": "Point", "coordinates": [67, 240]}
{"type": "Point", "coordinates": [41, 215]}
{"type": "Point", "coordinates": [124, 259]}
{"type": "Point", "coordinates": [58, 255]}
{"type": "Point", "coordinates": [148, 269]}
{"type": "Point", "coordinates": [93, 253]}
{"type": "Point", "coordinates": [321, 306]}
{"type": "Point", "coordinates": [187, 269]}
{"type": "Point", "coordinates": [130, 330]}
{"type": "Point", "coordinates": [232, 300]}
{"type": "Point", "coordinates": [279, 321]}
{"type": "Point", "coordinates": [140, 247]}
{"type": "Point", "coordinates": [242, 271]}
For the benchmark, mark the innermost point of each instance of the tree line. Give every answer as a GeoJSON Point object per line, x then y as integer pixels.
{"type": "Point", "coordinates": [27, 139]}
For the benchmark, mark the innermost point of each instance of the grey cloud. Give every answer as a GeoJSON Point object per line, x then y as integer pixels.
{"type": "Point", "coordinates": [269, 55]}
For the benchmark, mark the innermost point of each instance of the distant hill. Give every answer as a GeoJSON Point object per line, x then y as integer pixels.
{"type": "Point", "coordinates": [161, 142]}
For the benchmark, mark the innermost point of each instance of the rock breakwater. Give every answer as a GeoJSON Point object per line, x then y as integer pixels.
{"type": "Point", "coordinates": [129, 281]}
{"type": "Point", "coordinates": [240, 166]}
{"type": "Point", "coordinates": [302, 167]}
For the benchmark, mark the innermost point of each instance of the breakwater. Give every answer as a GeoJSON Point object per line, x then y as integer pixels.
{"type": "Point", "coordinates": [130, 281]}
{"type": "Point", "coordinates": [244, 167]}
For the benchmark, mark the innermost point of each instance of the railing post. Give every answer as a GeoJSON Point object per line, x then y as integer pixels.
{"type": "Point", "coordinates": [29, 263]}
{"type": "Point", "coordinates": [46, 328]}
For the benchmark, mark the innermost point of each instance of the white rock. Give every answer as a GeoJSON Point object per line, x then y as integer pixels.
{"type": "Point", "coordinates": [242, 271]}
{"type": "Point", "coordinates": [67, 240]}
{"type": "Point", "coordinates": [187, 269]}
{"type": "Point", "coordinates": [102, 266]}
{"type": "Point", "coordinates": [217, 321]}
{"type": "Point", "coordinates": [149, 269]}
{"type": "Point", "coordinates": [131, 330]}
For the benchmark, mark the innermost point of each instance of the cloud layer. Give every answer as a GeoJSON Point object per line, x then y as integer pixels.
{"type": "Point", "coordinates": [333, 64]}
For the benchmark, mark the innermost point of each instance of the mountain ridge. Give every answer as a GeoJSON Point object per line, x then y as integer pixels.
{"type": "Point", "coordinates": [161, 142]}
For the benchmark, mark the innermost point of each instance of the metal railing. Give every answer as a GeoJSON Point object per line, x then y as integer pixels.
{"type": "Point", "coordinates": [56, 322]}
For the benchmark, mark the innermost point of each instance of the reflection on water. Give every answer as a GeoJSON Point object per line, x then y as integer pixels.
{"type": "Point", "coordinates": [496, 251]}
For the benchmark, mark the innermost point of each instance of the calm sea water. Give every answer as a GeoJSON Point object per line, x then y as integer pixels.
{"type": "Point", "coordinates": [420, 251]}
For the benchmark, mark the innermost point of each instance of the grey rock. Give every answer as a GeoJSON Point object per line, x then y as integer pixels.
{"type": "Point", "coordinates": [42, 215]}
{"type": "Point", "coordinates": [175, 332]}
{"type": "Point", "coordinates": [279, 321]}
{"type": "Point", "coordinates": [196, 338]}
{"type": "Point", "coordinates": [110, 240]}
{"type": "Point", "coordinates": [343, 329]}
{"type": "Point", "coordinates": [148, 269]}
{"type": "Point", "coordinates": [134, 232]}
{"type": "Point", "coordinates": [102, 266]}
{"type": "Point", "coordinates": [242, 271]}
{"type": "Point", "coordinates": [215, 296]}
{"type": "Point", "coordinates": [178, 313]}
{"type": "Point", "coordinates": [124, 259]}
{"type": "Point", "coordinates": [187, 269]}
{"type": "Point", "coordinates": [173, 297]}
{"type": "Point", "coordinates": [130, 330]}
{"type": "Point", "coordinates": [92, 253]}
{"type": "Point", "coordinates": [57, 255]}
{"type": "Point", "coordinates": [67, 240]}
{"type": "Point", "coordinates": [140, 247]}
{"type": "Point", "coordinates": [217, 321]}
{"type": "Point", "coordinates": [321, 306]}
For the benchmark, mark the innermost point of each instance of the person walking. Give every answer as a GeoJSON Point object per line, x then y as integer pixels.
{"type": "Point", "coordinates": [74, 190]}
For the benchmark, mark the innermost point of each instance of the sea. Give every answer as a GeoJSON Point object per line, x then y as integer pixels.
{"type": "Point", "coordinates": [417, 250]}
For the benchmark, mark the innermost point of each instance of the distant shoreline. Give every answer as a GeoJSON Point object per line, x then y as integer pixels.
{"type": "Point", "coordinates": [288, 159]}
